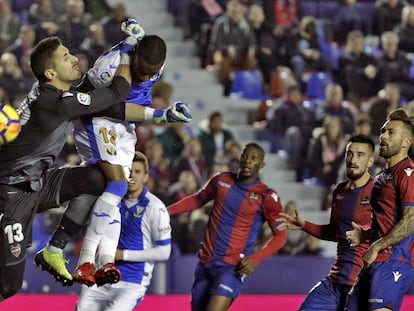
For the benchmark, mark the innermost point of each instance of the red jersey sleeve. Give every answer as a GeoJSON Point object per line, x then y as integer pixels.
{"type": "Point", "coordinates": [194, 201]}
{"type": "Point", "coordinates": [271, 209]}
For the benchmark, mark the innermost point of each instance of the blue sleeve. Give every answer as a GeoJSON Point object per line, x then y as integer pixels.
{"type": "Point", "coordinates": [140, 94]}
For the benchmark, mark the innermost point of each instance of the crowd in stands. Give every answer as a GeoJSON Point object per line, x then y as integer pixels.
{"type": "Point", "coordinates": [361, 60]}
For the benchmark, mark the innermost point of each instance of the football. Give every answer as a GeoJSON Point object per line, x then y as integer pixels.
{"type": "Point", "coordinates": [9, 123]}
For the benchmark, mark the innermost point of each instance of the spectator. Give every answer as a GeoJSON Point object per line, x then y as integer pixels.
{"type": "Point", "coordinates": [335, 106]}
{"type": "Point", "coordinates": [268, 49]}
{"type": "Point", "coordinates": [387, 15]}
{"type": "Point", "coordinates": [9, 25]}
{"type": "Point", "coordinates": [395, 65]}
{"type": "Point", "coordinates": [286, 13]}
{"type": "Point", "coordinates": [11, 76]}
{"type": "Point", "coordinates": [173, 139]}
{"type": "Point", "coordinates": [304, 50]}
{"type": "Point", "coordinates": [232, 151]}
{"type": "Point", "coordinates": [405, 30]}
{"type": "Point", "coordinates": [327, 152]}
{"type": "Point", "coordinates": [23, 44]}
{"type": "Point", "coordinates": [158, 167]}
{"type": "Point", "coordinates": [213, 139]}
{"type": "Point", "coordinates": [388, 100]}
{"type": "Point", "coordinates": [358, 72]}
{"type": "Point", "coordinates": [201, 13]}
{"type": "Point", "coordinates": [112, 24]}
{"type": "Point", "coordinates": [43, 19]}
{"type": "Point", "coordinates": [191, 159]}
{"type": "Point", "coordinates": [296, 239]}
{"type": "Point", "coordinates": [232, 44]}
{"type": "Point", "coordinates": [94, 44]}
{"type": "Point", "coordinates": [185, 185]}
{"type": "Point", "coordinates": [290, 128]}
{"type": "Point", "coordinates": [98, 8]}
{"type": "Point", "coordinates": [349, 17]}
{"type": "Point", "coordinates": [74, 24]}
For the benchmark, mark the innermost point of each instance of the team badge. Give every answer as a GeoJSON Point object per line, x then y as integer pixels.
{"type": "Point", "coordinates": [16, 250]}
{"type": "Point", "coordinates": [138, 212]}
{"type": "Point", "coordinates": [105, 75]}
{"type": "Point", "coordinates": [84, 99]}
{"type": "Point", "coordinates": [254, 196]}
{"type": "Point", "coordinates": [111, 150]}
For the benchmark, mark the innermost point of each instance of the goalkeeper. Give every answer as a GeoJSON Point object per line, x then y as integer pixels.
{"type": "Point", "coordinates": [110, 143]}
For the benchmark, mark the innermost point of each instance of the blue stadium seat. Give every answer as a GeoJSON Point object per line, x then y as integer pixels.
{"type": "Point", "coordinates": [248, 84]}
{"type": "Point", "coordinates": [317, 84]}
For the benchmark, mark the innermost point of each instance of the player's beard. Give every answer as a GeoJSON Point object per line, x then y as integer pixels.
{"type": "Point", "coordinates": [354, 175]}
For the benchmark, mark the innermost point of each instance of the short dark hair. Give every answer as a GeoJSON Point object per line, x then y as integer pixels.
{"type": "Point", "coordinates": [41, 56]}
{"type": "Point", "coordinates": [401, 115]}
{"type": "Point", "coordinates": [363, 139]}
{"type": "Point", "coordinates": [152, 49]}
{"type": "Point", "coordinates": [256, 146]}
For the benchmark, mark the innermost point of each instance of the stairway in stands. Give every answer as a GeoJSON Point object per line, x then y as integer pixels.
{"type": "Point", "coordinates": [201, 89]}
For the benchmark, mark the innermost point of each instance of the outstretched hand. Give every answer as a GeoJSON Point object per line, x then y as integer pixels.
{"type": "Point", "coordinates": [294, 222]}
{"type": "Point", "coordinates": [178, 112]}
{"type": "Point", "coordinates": [131, 28]}
{"type": "Point", "coordinates": [135, 34]}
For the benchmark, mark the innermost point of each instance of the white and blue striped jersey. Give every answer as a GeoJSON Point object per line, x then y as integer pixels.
{"type": "Point", "coordinates": [145, 226]}
{"type": "Point", "coordinates": [109, 139]}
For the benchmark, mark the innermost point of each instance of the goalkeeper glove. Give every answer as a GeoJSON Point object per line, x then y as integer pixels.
{"type": "Point", "coordinates": [135, 34]}
{"type": "Point", "coordinates": [177, 112]}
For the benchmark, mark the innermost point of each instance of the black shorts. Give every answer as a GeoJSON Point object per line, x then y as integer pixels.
{"type": "Point", "coordinates": [18, 206]}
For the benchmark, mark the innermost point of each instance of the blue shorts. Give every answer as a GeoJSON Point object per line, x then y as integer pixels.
{"type": "Point", "coordinates": [214, 279]}
{"type": "Point", "coordinates": [387, 282]}
{"type": "Point", "coordinates": [326, 296]}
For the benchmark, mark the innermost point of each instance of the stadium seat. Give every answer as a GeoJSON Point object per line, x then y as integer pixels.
{"type": "Point", "coordinates": [248, 84]}
{"type": "Point", "coordinates": [317, 83]}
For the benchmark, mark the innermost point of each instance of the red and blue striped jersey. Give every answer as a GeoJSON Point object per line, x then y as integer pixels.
{"type": "Point", "coordinates": [236, 218]}
{"type": "Point", "coordinates": [348, 205]}
{"type": "Point", "coordinates": [393, 189]}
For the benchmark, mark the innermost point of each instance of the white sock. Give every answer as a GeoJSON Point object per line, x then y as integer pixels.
{"type": "Point", "coordinates": [109, 242]}
{"type": "Point", "coordinates": [102, 214]}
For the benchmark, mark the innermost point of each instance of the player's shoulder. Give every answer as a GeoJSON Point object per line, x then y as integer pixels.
{"type": "Point", "coordinates": [155, 202]}
{"type": "Point", "coordinates": [405, 168]}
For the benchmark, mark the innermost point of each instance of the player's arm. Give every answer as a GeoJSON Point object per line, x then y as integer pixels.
{"type": "Point", "coordinates": [177, 112]}
{"type": "Point", "coordinates": [399, 232]}
{"type": "Point", "coordinates": [272, 209]}
{"type": "Point", "coordinates": [160, 228]}
{"type": "Point", "coordinates": [196, 200]}
{"type": "Point", "coordinates": [297, 222]}
{"type": "Point", "coordinates": [158, 253]}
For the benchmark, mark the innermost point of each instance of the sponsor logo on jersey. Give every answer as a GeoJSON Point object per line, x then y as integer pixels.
{"type": "Point", "coordinates": [16, 250]}
{"type": "Point", "coordinates": [112, 66]}
{"type": "Point", "coordinates": [379, 300]}
{"type": "Point", "coordinates": [84, 99]}
{"type": "Point", "coordinates": [408, 171]}
{"type": "Point", "coordinates": [105, 75]}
